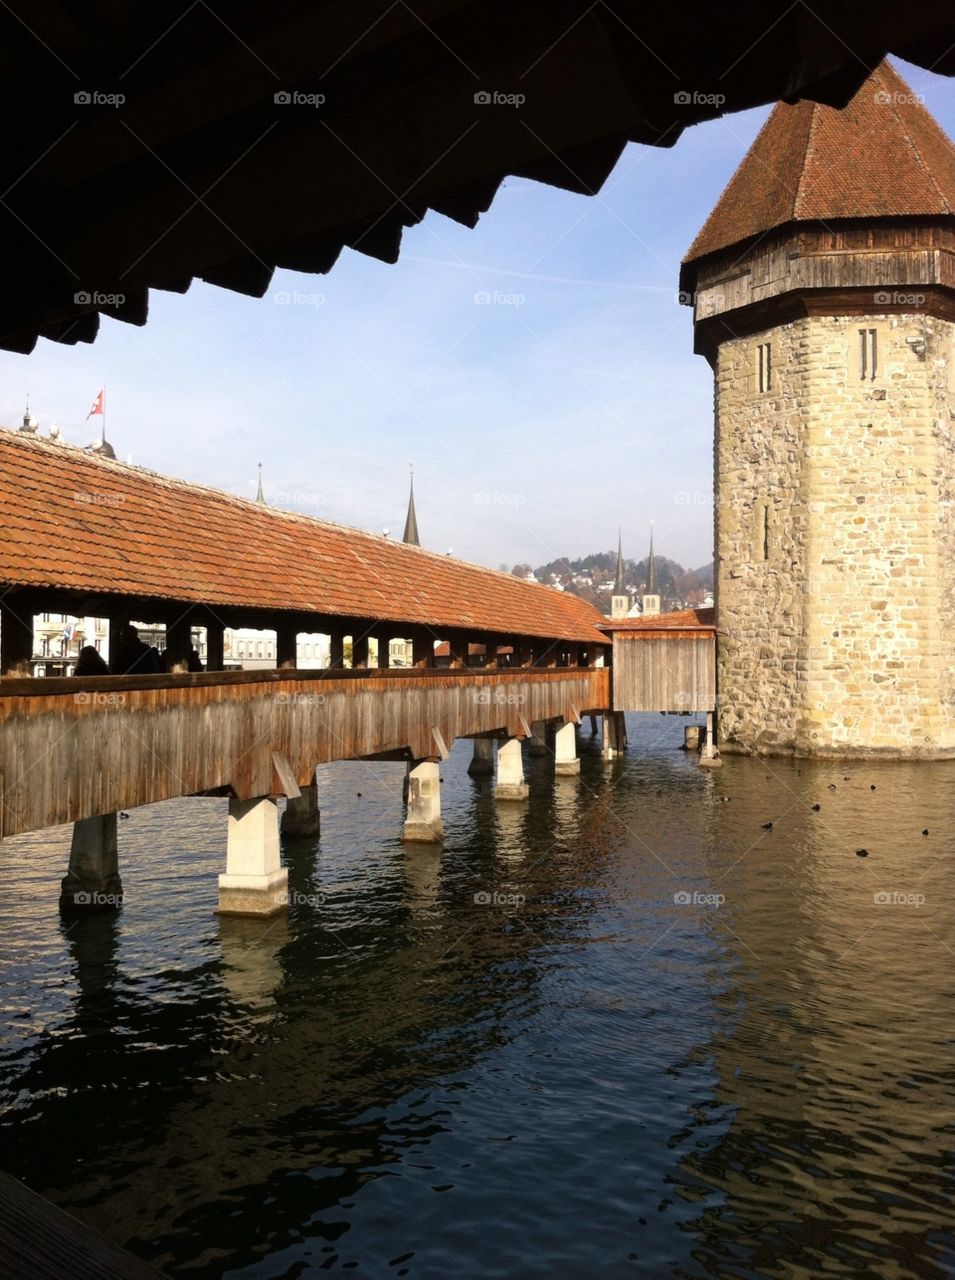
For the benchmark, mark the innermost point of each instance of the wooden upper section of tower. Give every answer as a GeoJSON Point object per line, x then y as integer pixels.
{"type": "Point", "coordinates": [829, 203]}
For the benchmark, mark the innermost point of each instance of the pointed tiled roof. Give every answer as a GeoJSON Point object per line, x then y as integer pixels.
{"type": "Point", "coordinates": [882, 156]}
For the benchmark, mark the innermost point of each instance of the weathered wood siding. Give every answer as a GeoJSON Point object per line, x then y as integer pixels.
{"type": "Point", "coordinates": [668, 671]}
{"type": "Point", "coordinates": [74, 748]}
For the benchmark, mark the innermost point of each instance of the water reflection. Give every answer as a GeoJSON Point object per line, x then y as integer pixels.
{"type": "Point", "coordinates": [623, 1028]}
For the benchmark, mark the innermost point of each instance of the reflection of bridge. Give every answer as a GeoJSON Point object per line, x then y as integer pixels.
{"type": "Point", "coordinates": [86, 535]}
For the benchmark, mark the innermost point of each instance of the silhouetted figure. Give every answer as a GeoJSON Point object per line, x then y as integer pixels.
{"type": "Point", "coordinates": [133, 657]}
{"type": "Point", "coordinates": [194, 661]}
{"type": "Point", "coordinates": [90, 663]}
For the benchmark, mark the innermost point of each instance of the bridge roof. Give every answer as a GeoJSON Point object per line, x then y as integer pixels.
{"type": "Point", "coordinates": [76, 522]}
{"type": "Point", "coordinates": [679, 620]}
{"type": "Point", "coordinates": [882, 156]}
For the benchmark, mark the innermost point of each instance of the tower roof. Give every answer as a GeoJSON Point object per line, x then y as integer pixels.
{"type": "Point", "coordinates": [882, 156]}
{"type": "Point", "coordinates": [410, 534]}
{"type": "Point", "coordinates": [619, 586]}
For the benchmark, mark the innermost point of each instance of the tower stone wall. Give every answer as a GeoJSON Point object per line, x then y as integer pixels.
{"type": "Point", "coordinates": [835, 537]}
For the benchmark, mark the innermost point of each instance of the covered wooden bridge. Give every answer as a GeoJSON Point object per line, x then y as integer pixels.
{"type": "Point", "coordinates": [87, 535]}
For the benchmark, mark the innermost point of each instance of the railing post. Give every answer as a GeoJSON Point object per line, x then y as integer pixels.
{"type": "Point", "coordinates": [16, 634]}
{"type": "Point", "coordinates": [286, 645]}
{"type": "Point", "coordinates": [215, 645]}
{"type": "Point", "coordinates": [422, 648]}
{"type": "Point", "coordinates": [178, 642]}
{"type": "Point", "coordinates": [359, 647]}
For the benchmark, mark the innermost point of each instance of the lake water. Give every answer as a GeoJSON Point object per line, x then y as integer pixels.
{"type": "Point", "coordinates": [619, 1030]}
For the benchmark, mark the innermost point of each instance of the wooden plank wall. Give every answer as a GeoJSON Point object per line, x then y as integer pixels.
{"type": "Point", "coordinates": [75, 748]}
{"type": "Point", "coordinates": [38, 1240]}
{"type": "Point", "coordinates": [675, 672]}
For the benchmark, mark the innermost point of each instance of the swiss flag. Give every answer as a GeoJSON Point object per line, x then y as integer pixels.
{"type": "Point", "coordinates": [97, 405]}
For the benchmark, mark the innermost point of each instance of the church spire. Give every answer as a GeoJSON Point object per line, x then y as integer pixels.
{"type": "Point", "coordinates": [260, 496]}
{"type": "Point", "coordinates": [651, 598]}
{"type": "Point", "coordinates": [619, 599]}
{"type": "Point", "coordinates": [411, 520]}
{"type": "Point", "coordinates": [618, 585]}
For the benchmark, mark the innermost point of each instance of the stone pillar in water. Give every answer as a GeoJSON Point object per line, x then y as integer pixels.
{"type": "Point", "coordinates": [255, 882]}
{"type": "Point", "coordinates": [482, 763]}
{"type": "Point", "coordinates": [92, 881]}
{"type": "Point", "coordinates": [566, 762]}
{"type": "Point", "coordinates": [302, 816]}
{"type": "Point", "coordinates": [510, 772]}
{"type": "Point", "coordinates": [423, 822]}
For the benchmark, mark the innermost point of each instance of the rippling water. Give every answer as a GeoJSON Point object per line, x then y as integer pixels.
{"type": "Point", "coordinates": [673, 1043]}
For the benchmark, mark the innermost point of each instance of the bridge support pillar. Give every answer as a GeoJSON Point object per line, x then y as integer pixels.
{"type": "Point", "coordinates": [615, 735]}
{"type": "Point", "coordinates": [423, 822]}
{"type": "Point", "coordinates": [566, 761]}
{"type": "Point", "coordinates": [255, 883]}
{"type": "Point", "coordinates": [510, 772]}
{"type": "Point", "coordinates": [302, 816]}
{"type": "Point", "coordinates": [537, 742]}
{"type": "Point", "coordinates": [482, 763]}
{"type": "Point", "coordinates": [709, 756]}
{"type": "Point", "coordinates": [92, 881]}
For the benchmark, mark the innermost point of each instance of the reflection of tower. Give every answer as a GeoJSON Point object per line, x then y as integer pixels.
{"type": "Point", "coordinates": [620, 600]}
{"type": "Point", "coordinates": [824, 303]}
{"type": "Point", "coordinates": [651, 598]}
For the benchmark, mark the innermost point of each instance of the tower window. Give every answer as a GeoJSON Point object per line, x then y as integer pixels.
{"type": "Point", "coordinates": [765, 530]}
{"type": "Point", "coordinates": [765, 366]}
{"type": "Point", "coordinates": [868, 354]}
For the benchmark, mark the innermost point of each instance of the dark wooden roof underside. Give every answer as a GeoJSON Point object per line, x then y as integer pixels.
{"type": "Point", "coordinates": [200, 173]}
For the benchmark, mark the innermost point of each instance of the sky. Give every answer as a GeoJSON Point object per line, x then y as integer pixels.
{"type": "Point", "coordinates": [538, 371]}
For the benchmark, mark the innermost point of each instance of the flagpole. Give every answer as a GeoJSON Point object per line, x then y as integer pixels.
{"type": "Point", "coordinates": [103, 436]}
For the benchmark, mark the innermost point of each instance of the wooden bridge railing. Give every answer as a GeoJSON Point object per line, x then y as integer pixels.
{"type": "Point", "coordinates": [74, 748]}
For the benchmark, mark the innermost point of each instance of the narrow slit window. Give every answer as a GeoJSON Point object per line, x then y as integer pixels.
{"type": "Point", "coordinates": [765, 531]}
{"type": "Point", "coordinates": [765, 357]}
{"type": "Point", "coordinates": [868, 354]}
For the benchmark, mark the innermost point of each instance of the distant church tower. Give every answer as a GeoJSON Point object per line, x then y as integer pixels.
{"type": "Point", "coordinates": [651, 598]}
{"type": "Point", "coordinates": [410, 534]}
{"type": "Point", "coordinates": [620, 600]}
{"type": "Point", "coordinates": [823, 284]}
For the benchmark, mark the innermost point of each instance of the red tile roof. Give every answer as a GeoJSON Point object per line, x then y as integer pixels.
{"type": "Point", "coordinates": [72, 520]}
{"type": "Point", "coordinates": [681, 619]}
{"type": "Point", "coordinates": [882, 156]}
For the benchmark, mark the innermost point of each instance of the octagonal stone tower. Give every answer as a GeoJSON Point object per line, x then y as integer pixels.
{"type": "Point", "coordinates": [823, 287]}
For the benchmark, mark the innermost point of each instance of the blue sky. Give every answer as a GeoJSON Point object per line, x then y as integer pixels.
{"type": "Point", "coordinates": [564, 403]}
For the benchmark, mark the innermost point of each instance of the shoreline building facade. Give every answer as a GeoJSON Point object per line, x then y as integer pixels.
{"type": "Point", "coordinates": [823, 287]}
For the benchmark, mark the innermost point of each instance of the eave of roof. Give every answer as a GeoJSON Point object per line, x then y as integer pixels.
{"type": "Point", "coordinates": [180, 180]}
